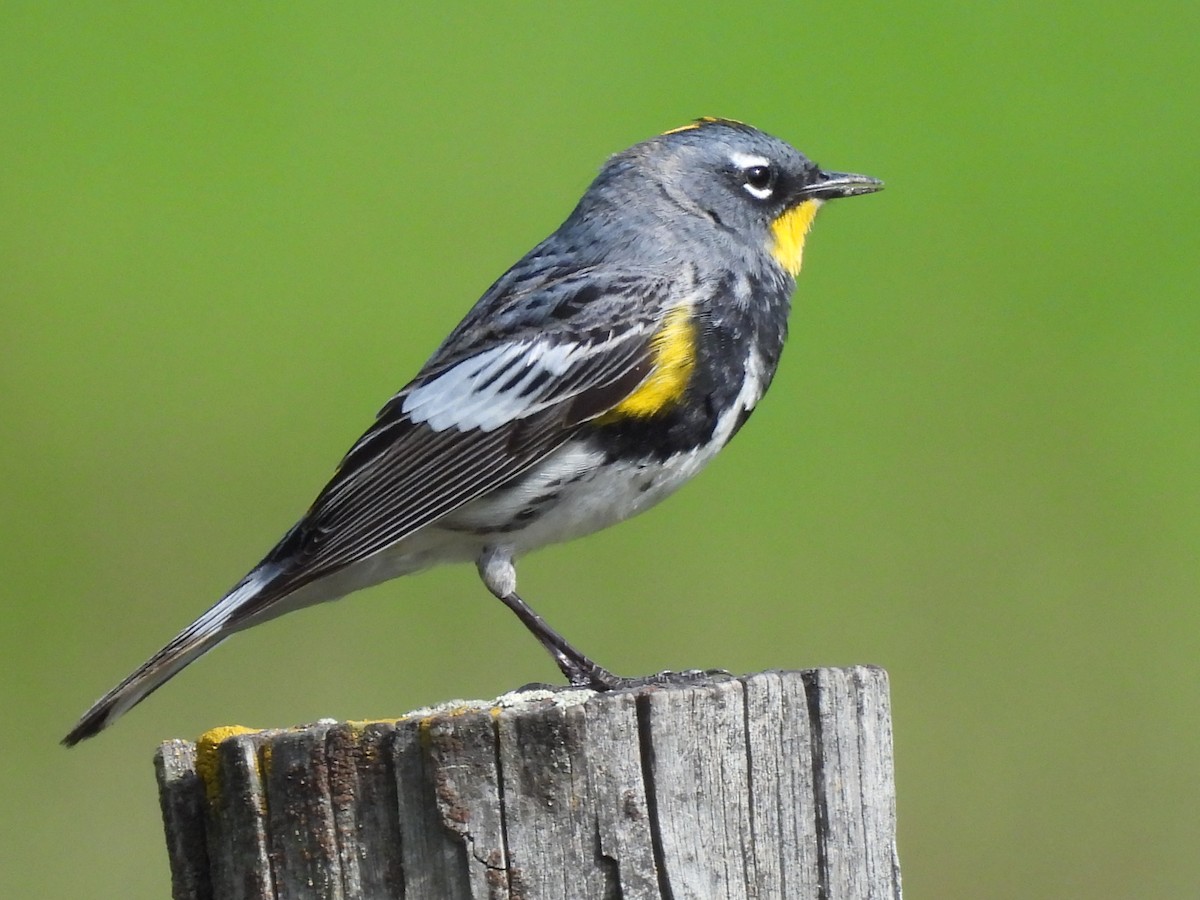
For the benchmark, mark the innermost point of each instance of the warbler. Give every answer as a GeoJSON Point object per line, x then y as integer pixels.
{"type": "Point", "coordinates": [596, 376]}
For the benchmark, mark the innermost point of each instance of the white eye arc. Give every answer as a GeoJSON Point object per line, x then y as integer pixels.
{"type": "Point", "coordinates": [758, 175]}
{"type": "Point", "coordinates": [760, 181]}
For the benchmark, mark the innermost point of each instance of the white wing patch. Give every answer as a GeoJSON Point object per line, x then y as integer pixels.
{"type": "Point", "coordinates": [499, 385]}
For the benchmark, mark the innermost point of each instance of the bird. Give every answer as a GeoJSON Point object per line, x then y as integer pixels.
{"type": "Point", "coordinates": [597, 375]}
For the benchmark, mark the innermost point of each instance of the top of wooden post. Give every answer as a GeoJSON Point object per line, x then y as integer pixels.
{"type": "Point", "coordinates": [774, 785]}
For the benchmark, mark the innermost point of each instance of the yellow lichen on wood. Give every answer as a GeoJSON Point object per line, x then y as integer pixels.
{"type": "Point", "coordinates": [358, 725]}
{"type": "Point", "coordinates": [207, 766]}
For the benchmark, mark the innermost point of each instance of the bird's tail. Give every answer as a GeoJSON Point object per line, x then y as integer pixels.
{"type": "Point", "coordinates": [224, 618]}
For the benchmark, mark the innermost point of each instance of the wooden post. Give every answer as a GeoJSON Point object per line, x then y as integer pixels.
{"type": "Point", "coordinates": [776, 785]}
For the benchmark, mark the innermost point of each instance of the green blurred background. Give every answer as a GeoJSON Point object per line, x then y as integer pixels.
{"type": "Point", "coordinates": [228, 233]}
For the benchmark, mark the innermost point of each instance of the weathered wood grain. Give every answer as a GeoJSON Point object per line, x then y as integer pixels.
{"type": "Point", "coordinates": [362, 790]}
{"type": "Point", "coordinates": [181, 797]}
{"type": "Point", "coordinates": [776, 785]}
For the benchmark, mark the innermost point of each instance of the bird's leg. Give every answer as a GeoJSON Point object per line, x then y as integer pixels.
{"type": "Point", "coordinates": [498, 572]}
{"type": "Point", "coordinates": [580, 671]}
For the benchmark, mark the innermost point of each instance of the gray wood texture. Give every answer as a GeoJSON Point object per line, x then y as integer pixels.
{"type": "Point", "coordinates": [775, 785]}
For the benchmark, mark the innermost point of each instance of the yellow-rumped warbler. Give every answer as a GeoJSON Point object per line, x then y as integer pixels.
{"type": "Point", "coordinates": [596, 376]}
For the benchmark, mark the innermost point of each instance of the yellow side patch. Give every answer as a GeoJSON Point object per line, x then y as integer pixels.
{"type": "Point", "coordinates": [789, 231]}
{"type": "Point", "coordinates": [674, 350]}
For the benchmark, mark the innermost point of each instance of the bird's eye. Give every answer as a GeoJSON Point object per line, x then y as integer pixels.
{"type": "Point", "coordinates": [759, 181]}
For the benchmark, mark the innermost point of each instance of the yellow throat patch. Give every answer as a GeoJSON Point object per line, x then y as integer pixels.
{"type": "Point", "coordinates": [674, 350]}
{"type": "Point", "coordinates": [789, 232]}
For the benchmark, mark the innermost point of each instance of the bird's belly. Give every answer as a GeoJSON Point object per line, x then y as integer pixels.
{"type": "Point", "coordinates": [573, 492]}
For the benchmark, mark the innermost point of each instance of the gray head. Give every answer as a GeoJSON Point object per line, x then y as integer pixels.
{"type": "Point", "coordinates": [718, 181]}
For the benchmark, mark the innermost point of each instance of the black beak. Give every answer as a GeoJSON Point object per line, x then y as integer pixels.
{"type": "Point", "coordinates": [831, 185]}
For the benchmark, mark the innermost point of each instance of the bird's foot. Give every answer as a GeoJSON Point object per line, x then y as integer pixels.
{"type": "Point", "coordinates": [600, 679]}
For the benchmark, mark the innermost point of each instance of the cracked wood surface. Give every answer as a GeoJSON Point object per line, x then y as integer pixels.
{"type": "Point", "coordinates": [775, 785]}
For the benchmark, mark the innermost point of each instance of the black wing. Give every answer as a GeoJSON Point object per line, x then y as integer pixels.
{"type": "Point", "coordinates": [469, 424]}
